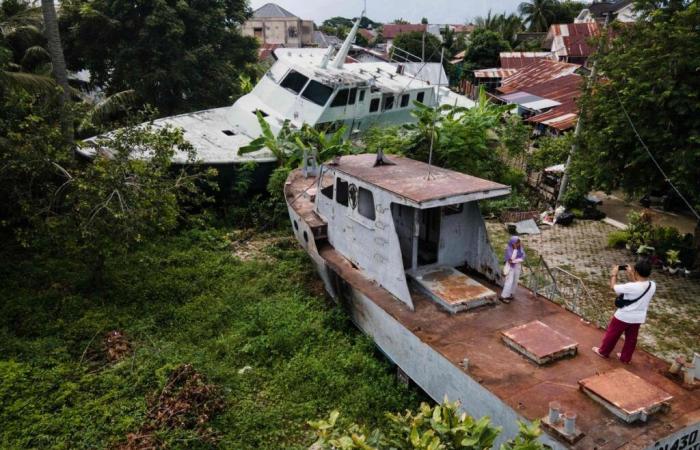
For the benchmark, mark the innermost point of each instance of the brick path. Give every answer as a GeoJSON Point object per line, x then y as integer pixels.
{"type": "Point", "coordinates": [673, 323]}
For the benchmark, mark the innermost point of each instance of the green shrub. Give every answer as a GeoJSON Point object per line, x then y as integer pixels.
{"type": "Point", "coordinates": [618, 238]}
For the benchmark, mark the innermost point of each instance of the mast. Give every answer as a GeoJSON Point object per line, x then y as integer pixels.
{"type": "Point", "coordinates": [339, 59]}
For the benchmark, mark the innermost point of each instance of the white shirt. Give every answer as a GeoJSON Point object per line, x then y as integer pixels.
{"type": "Point", "coordinates": [637, 311]}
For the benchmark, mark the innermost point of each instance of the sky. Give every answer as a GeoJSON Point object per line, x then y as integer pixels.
{"type": "Point", "coordinates": [437, 11]}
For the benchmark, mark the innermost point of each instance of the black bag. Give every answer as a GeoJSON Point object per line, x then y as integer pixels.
{"type": "Point", "coordinates": [620, 301]}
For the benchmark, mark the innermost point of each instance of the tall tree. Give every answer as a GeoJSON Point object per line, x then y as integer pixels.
{"type": "Point", "coordinates": [178, 56]}
{"type": "Point", "coordinates": [650, 69]}
{"type": "Point", "coordinates": [412, 42]}
{"type": "Point", "coordinates": [538, 14]}
{"type": "Point", "coordinates": [484, 49]}
{"type": "Point", "coordinates": [58, 63]}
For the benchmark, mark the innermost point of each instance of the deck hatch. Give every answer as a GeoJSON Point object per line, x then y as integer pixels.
{"type": "Point", "coordinates": [539, 342]}
{"type": "Point", "coordinates": [625, 394]}
{"type": "Point", "coordinates": [452, 289]}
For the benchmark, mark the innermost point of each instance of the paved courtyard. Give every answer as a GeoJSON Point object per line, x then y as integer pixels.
{"type": "Point", "coordinates": [673, 324]}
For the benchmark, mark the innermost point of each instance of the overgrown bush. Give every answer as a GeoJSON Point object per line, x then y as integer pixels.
{"type": "Point", "coordinates": [618, 238]}
{"type": "Point", "coordinates": [429, 428]}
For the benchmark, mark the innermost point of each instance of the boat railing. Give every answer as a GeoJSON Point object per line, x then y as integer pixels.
{"type": "Point", "coordinates": [399, 55]}
{"type": "Point", "coordinates": [563, 287]}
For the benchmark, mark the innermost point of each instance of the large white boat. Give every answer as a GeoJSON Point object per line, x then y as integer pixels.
{"type": "Point", "coordinates": [318, 87]}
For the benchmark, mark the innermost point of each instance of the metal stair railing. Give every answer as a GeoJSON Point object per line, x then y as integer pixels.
{"type": "Point", "coordinates": [561, 287]}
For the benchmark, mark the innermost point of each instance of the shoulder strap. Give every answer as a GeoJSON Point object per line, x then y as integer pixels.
{"type": "Point", "coordinates": [644, 293]}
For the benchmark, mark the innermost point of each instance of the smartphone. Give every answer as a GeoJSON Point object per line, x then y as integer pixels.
{"type": "Point", "coordinates": [622, 267]}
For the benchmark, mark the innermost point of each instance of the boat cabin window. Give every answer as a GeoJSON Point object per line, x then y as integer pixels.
{"type": "Point", "coordinates": [389, 102]}
{"type": "Point", "coordinates": [374, 105]}
{"type": "Point", "coordinates": [362, 96]}
{"type": "Point", "coordinates": [326, 185]}
{"type": "Point", "coordinates": [452, 209]}
{"type": "Point", "coordinates": [404, 100]}
{"type": "Point", "coordinates": [317, 92]}
{"type": "Point", "coordinates": [352, 96]}
{"type": "Point", "coordinates": [341, 191]}
{"type": "Point", "coordinates": [365, 204]}
{"type": "Point", "coordinates": [294, 81]}
{"type": "Point", "coordinates": [341, 98]}
{"type": "Point", "coordinates": [420, 97]}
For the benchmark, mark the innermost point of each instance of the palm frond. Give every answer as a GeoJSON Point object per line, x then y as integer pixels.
{"type": "Point", "coordinates": [113, 104]}
{"type": "Point", "coordinates": [27, 81]}
{"type": "Point", "coordinates": [34, 55]}
{"type": "Point", "coordinates": [29, 17]}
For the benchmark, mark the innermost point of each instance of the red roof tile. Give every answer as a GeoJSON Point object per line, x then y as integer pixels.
{"type": "Point", "coordinates": [391, 30]}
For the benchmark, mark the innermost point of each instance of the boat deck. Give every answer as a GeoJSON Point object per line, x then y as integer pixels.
{"type": "Point", "coordinates": [522, 384]}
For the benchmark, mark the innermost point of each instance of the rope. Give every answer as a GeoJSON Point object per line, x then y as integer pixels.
{"type": "Point", "coordinates": [658, 166]}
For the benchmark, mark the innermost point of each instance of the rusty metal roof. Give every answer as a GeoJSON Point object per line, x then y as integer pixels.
{"type": "Point", "coordinates": [562, 117]}
{"type": "Point", "coordinates": [494, 73]}
{"type": "Point", "coordinates": [518, 60]}
{"type": "Point", "coordinates": [408, 178]}
{"type": "Point", "coordinates": [535, 73]}
{"type": "Point", "coordinates": [585, 30]}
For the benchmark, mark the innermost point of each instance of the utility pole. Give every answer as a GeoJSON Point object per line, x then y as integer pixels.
{"type": "Point", "coordinates": [577, 131]}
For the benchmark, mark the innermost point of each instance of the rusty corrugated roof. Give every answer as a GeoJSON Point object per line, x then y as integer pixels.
{"type": "Point", "coordinates": [518, 60]}
{"type": "Point", "coordinates": [535, 73]}
{"type": "Point", "coordinates": [494, 73]}
{"type": "Point", "coordinates": [572, 39]}
{"type": "Point", "coordinates": [562, 118]}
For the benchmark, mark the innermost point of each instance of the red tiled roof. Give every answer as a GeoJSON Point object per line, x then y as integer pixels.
{"type": "Point", "coordinates": [391, 30]}
{"type": "Point", "coordinates": [517, 60]}
{"type": "Point", "coordinates": [535, 73]}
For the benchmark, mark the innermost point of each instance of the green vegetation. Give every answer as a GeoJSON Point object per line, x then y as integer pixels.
{"type": "Point", "coordinates": [650, 69]}
{"type": "Point", "coordinates": [183, 299]}
{"type": "Point", "coordinates": [441, 427]}
{"type": "Point", "coordinates": [189, 53]}
{"type": "Point", "coordinates": [413, 41]}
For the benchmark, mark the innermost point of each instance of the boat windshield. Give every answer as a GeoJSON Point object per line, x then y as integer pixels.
{"type": "Point", "coordinates": [317, 92]}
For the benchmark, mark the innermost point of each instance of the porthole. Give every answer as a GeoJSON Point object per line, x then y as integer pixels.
{"type": "Point", "coordinates": [306, 237]}
{"type": "Point", "coordinates": [296, 225]}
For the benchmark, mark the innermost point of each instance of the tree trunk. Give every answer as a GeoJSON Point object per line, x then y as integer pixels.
{"type": "Point", "coordinates": [58, 64]}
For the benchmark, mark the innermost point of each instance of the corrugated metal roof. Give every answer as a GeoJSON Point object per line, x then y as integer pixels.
{"type": "Point", "coordinates": [562, 117]}
{"type": "Point", "coordinates": [270, 10]}
{"type": "Point", "coordinates": [518, 60]}
{"type": "Point", "coordinates": [494, 73]}
{"type": "Point", "coordinates": [581, 31]}
{"type": "Point", "coordinates": [562, 89]}
{"type": "Point", "coordinates": [538, 72]}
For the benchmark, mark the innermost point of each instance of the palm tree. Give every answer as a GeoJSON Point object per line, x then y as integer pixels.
{"type": "Point", "coordinates": [58, 62]}
{"type": "Point", "coordinates": [538, 14]}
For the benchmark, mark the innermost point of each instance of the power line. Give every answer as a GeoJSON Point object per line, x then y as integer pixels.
{"type": "Point", "coordinates": [658, 166]}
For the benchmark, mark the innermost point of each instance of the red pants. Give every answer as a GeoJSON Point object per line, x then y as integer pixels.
{"type": "Point", "coordinates": [613, 333]}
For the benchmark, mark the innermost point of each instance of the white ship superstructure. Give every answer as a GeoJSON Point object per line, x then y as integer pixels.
{"type": "Point", "coordinates": [318, 87]}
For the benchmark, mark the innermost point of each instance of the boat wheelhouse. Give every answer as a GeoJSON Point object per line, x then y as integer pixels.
{"type": "Point", "coordinates": [402, 245]}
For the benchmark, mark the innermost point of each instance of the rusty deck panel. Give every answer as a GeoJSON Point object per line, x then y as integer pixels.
{"type": "Point", "coordinates": [408, 178]}
{"type": "Point", "coordinates": [539, 342]}
{"type": "Point", "coordinates": [625, 394]}
{"type": "Point", "coordinates": [451, 288]}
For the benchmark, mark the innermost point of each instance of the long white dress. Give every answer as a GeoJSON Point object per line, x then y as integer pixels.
{"type": "Point", "coordinates": [511, 283]}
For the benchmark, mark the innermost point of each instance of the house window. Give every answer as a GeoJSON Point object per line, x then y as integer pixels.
{"type": "Point", "coordinates": [388, 102]}
{"type": "Point", "coordinates": [292, 31]}
{"type": "Point", "coordinates": [362, 96]}
{"type": "Point", "coordinates": [420, 97]}
{"type": "Point", "coordinates": [374, 105]}
{"type": "Point", "coordinates": [365, 204]}
{"type": "Point", "coordinates": [258, 33]}
{"type": "Point", "coordinates": [341, 98]}
{"type": "Point", "coordinates": [341, 191]}
{"type": "Point", "coordinates": [294, 81]}
{"type": "Point", "coordinates": [404, 100]}
{"type": "Point", "coordinates": [317, 92]}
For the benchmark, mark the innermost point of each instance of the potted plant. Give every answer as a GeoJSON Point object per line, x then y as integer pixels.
{"type": "Point", "coordinates": [672, 259]}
